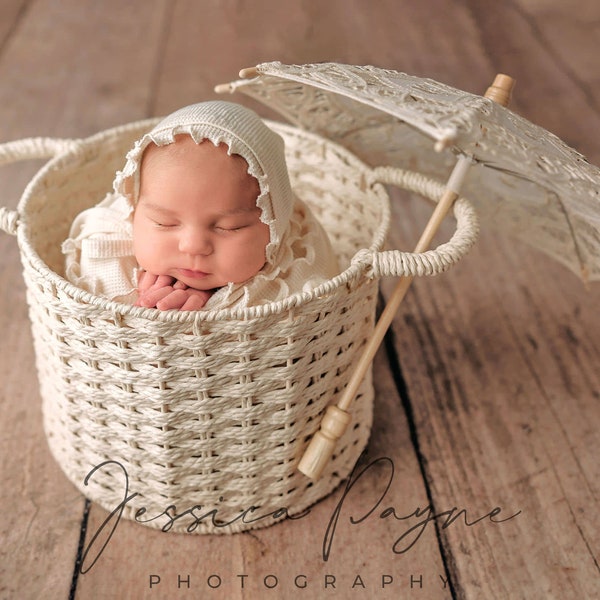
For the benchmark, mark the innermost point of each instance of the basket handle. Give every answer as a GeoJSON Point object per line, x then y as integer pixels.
{"type": "Point", "coordinates": [430, 262]}
{"type": "Point", "coordinates": [27, 149]}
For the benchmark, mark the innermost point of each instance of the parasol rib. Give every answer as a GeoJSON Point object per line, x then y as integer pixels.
{"type": "Point", "coordinates": [336, 418]}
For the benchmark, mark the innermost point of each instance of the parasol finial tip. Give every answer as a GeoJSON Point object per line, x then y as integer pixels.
{"type": "Point", "coordinates": [501, 90]}
{"type": "Point", "coordinates": [444, 143]}
{"type": "Point", "coordinates": [223, 88]}
{"type": "Point", "coordinates": [249, 72]}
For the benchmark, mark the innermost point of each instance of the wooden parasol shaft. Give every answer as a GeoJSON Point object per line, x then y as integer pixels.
{"type": "Point", "coordinates": [336, 417]}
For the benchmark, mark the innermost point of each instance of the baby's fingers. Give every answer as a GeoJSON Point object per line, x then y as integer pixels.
{"type": "Point", "coordinates": [152, 297]}
{"type": "Point", "coordinates": [184, 300]}
{"type": "Point", "coordinates": [148, 280]}
{"type": "Point", "coordinates": [194, 302]}
{"type": "Point", "coordinates": [175, 299]}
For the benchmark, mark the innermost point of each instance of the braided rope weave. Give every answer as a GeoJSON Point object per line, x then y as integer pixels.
{"type": "Point", "coordinates": [431, 262]}
{"type": "Point", "coordinates": [207, 412]}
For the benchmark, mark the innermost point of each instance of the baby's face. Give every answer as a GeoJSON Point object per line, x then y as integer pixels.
{"type": "Point", "coordinates": [196, 218]}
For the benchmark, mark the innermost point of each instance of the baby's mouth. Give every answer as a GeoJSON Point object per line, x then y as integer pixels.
{"type": "Point", "coordinates": [193, 274]}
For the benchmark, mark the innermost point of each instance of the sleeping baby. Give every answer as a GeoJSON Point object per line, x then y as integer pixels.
{"type": "Point", "coordinates": [201, 217]}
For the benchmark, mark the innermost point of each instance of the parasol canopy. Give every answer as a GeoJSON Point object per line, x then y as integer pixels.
{"type": "Point", "coordinates": [523, 181]}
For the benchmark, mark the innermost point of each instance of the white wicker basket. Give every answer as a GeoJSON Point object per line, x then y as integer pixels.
{"type": "Point", "coordinates": [202, 417]}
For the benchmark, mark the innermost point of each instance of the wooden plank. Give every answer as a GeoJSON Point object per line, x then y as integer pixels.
{"type": "Point", "coordinates": [397, 35]}
{"type": "Point", "coordinates": [504, 382]}
{"type": "Point", "coordinates": [507, 417]}
{"type": "Point", "coordinates": [80, 62]}
{"type": "Point", "coordinates": [57, 77]}
{"type": "Point", "coordinates": [11, 13]}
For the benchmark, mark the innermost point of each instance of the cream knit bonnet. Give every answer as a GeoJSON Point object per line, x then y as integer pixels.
{"type": "Point", "coordinates": [244, 133]}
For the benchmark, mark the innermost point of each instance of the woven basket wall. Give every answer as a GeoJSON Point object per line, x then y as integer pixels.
{"type": "Point", "coordinates": [201, 415]}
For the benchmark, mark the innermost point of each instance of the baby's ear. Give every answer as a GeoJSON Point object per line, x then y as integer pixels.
{"type": "Point", "coordinates": [128, 187]}
{"type": "Point", "coordinates": [131, 190]}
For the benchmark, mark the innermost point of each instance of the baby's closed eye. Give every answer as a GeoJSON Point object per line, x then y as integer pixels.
{"type": "Point", "coordinates": [161, 225]}
{"type": "Point", "coordinates": [230, 227]}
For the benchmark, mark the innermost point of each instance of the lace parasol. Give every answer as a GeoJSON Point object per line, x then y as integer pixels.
{"type": "Point", "coordinates": [524, 181]}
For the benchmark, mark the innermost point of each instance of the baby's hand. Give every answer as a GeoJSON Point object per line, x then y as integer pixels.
{"type": "Point", "coordinates": [165, 293]}
{"type": "Point", "coordinates": [152, 288]}
{"type": "Point", "coordinates": [183, 298]}
{"type": "Point", "coordinates": [148, 281]}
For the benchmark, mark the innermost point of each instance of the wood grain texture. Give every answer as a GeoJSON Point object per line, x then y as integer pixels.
{"type": "Point", "coordinates": [507, 416]}
{"type": "Point", "coordinates": [488, 388]}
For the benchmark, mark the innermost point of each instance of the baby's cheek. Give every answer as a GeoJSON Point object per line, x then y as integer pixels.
{"type": "Point", "coordinates": [256, 262]}
{"type": "Point", "coordinates": [240, 264]}
{"type": "Point", "coordinates": [147, 254]}
{"type": "Point", "coordinates": [138, 235]}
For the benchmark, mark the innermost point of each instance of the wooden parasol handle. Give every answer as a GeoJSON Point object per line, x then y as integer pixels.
{"type": "Point", "coordinates": [336, 417]}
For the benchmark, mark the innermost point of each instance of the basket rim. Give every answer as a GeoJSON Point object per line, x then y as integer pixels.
{"type": "Point", "coordinates": [82, 147]}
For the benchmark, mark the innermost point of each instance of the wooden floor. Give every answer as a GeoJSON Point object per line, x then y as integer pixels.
{"type": "Point", "coordinates": [488, 387]}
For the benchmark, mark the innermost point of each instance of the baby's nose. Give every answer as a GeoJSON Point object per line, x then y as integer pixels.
{"type": "Point", "coordinates": [195, 242]}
